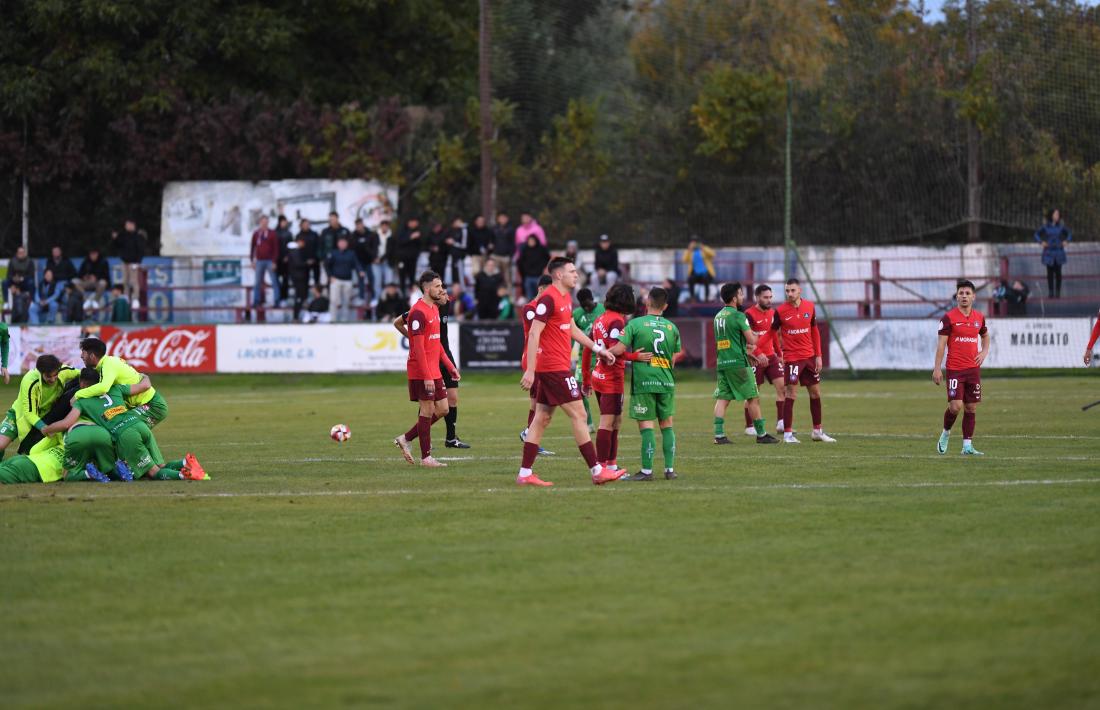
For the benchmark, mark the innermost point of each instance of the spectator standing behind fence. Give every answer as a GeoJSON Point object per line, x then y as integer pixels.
{"type": "Point", "coordinates": [673, 291]}
{"type": "Point", "coordinates": [364, 243]}
{"type": "Point", "coordinates": [459, 247]}
{"type": "Point", "coordinates": [529, 226]}
{"type": "Point", "coordinates": [409, 244]}
{"type": "Point", "coordinates": [130, 245]}
{"type": "Point", "coordinates": [286, 238]}
{"type": "Point", "coordinates": [390, 304]}
{"type": "Point", "coordinates": [504, 247]}
{"type": "Point", "coordinates": [607, 259]}
{"type": "Point", "coordinates": [299, 266]}
{"type": "Point", "coordinates": [94, 279]}
{"type": "Point", "coordinates": [438, 248]}
{"type": "Point", "coordinates": [330, 235]}
{"type": "Point", "coordinates": [481, 245]}
{"type": "Point", "coordinates": [342, 265]}
{"type": "Point", "coordinates": [700, 260]}
{"type": "Point", "coordinates": [46, 299]}
{"type": "Point", "coordinates": [487, 285]}
{"type": "Point", "coordinates": [61, 266]}
{"type": "Point", "coordinates": [319, 309]}
{"type": "Point", "coordinates": [533, 258]}
{"type": "Point", "coordinates": [312, 247]}
{"type": "Point", "coordinates": [264, 254]}
{"type": "Point", "coordinates": [21, 269]}
{"type": "Point", "coordinates": [1053, 237]}
{"type": "Point", "coordinates": [384, 267]}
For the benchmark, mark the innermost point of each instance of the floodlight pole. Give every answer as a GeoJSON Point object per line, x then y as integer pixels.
{"type": "Point", "coordinates": [788, 243]}
{"type": "Point", "coordinates": [485, 96]}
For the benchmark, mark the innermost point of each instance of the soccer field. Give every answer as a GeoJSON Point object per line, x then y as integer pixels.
{"type": "Point", "coordinates": [868, 573]}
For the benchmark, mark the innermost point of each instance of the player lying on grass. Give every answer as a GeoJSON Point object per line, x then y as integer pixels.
{"type": "Point", "coordinates": [135, 446]}
{"type": "Point", "coordinates": [38, 390]}
{"type": "Point", "coordinates": [149, 404]}
{"type": "Point", "coordinates": [735, 344]}
{"type": "Point", "coordinates": [548, 364]}
{"type": "Point", "coordinates": [607, 380]}
{"type": "Point", "coordinates": [766, 365]}
{"type": "Point", "coordinates": [652, 383]}
{"type": "Point", "coordinates": [425, 380]}
{"type": "Point", "coordinates": [961, 329]}
{"type": "Point", "coordinates": [46, 463]}
{"type": "Point", "coordinates": [526, 317]}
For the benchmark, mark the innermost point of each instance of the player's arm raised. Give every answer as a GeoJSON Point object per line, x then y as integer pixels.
{"type": "Point", "coordinates": [941, 348]}
{"type": "Point", "coordinates": [587, 342]}
{"type": "Point", "coordinates": [533, 338]}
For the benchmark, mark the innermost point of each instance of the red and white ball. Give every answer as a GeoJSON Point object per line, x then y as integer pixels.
{"type": "Point", "coordinates": [340, 433]}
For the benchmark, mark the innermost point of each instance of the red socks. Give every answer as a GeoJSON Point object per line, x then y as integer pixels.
{"type": "Point", "coordinates": [780, 408]}
{"type": "Point", "coordinates": [530, 416]}
{"type": "Point", "coordinates": [588, 451]}
{"type": "Point", "coordinates": [424, 430]}
{"type": "Point", "coordinates": [614, 453]}
{"type": "Point", "coordinates": [968, 425]}
{"type": "Point", "coordinates": [949, 418]}
{"type": "Point", "coordinates": [815, 412]}
{"type": "Point", "coordinates": [530, 453]}
{"type": "Point", "coordinates": [788, 415]}
{"type": "Point", "coordinates": [414, 433]}
{"type": "Point", "coordinates": [603, 445]}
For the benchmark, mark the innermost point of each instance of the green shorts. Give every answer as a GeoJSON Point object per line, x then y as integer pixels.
{"type": "Point", "coordinates": [8, 427]}
{"type": "Point", "coordinates": [649, 406]}
{"type": "Point", "coordinates": [86, 444]}
{"type": "Point", "coordinates": [19, 469]}
{"type": "Point", "coordinates": [736, 383]}
{"type": "Point", "coordinates": [154, 411]}
{"type": "Point", "coordinates": [138, 448]}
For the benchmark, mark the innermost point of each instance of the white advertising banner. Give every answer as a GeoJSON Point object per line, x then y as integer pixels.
{"type": "Point", "coordinates": [911, 344]}
{"type": "Point", "coordinates": [28, 342]}
{"type": "Point", "coordinates": [351, 347]}
{"type": "Point", "coordinates": [208, 218]}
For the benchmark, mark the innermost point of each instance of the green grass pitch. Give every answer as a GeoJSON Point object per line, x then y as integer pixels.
{"type": "Point", "coordinates": [870, 573]}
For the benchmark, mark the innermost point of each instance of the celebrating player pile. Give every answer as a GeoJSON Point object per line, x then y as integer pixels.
{"type": "Point", "coordinates": [548, 370]}
{"type": "Point", "coordinates": [960, 329]}
{"type": "Point", "coordinates": [800, 344]}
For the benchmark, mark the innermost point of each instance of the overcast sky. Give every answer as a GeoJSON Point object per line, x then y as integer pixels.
{"type": "Point", "coordinates": [935, 12]}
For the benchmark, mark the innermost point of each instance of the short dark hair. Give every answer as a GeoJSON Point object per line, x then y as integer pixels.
{"type": "Point", "coordinates": [427, 277]}
{"type": "Point", "coordinates": [545, 280]}
{"type": "Point", "coordinates": [658, 297]}
{"type": "Point", "coordinates": [729, 291]}
{"type": "Point", "coordinates": [95, 346]}
{"type": "Point", "coordinates": [334, 214]}
{"type": "Point", "coordinates": [793, 282]}
{"type": "Point", "coordinates": [620, 298]}
{"type": "Point", "coordinates": [584, 297]}
{"type": "Point", "coordinates": [47, 364]}
{"type": "Point", "coordinates": [89, 375]}
{"type": "Point", "coordinates": [762, 288]}
{"type": "Point", "coordinates": [965, 283]}
{"type": "Point", "coordinates": [558, 262]}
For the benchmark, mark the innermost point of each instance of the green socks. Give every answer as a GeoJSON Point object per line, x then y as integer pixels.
{"type": "Point", "coordinates": [167, 474]}
{"type": "Point", "coordinates": [759, 425]}
{"type": "Point", "coordinates": [649, 447]}
{"type": "Point", "coordinates": [176, 465]}
{"type": "Point", "coordinates": [719, 427]}
{"type": "Point", "coordinates": [668, 445]}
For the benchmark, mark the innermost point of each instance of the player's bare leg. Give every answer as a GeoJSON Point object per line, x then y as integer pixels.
{"type": "Point", "coordinates": [720, 407]}
{"type": "Point", "coordinates": [791, 392]}
{"type": "Point", "coordinates": [429, 413]}
{"type": "Point", "coordinates": [749, 429]}
{"type": "Point", "coordinates": [535, 428]}
{"type": "Point", "coordinates": [970, 410]}
{"type": "Point", "coordinates": [815, 413]}
{"type": "Point", "coordinates": [579, 421]}
{"type": "Point", "coordinates": [523, 434]}
{"type": "Point", "coordinates": [949, 416]}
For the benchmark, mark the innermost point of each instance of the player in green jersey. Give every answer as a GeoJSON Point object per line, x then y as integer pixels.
{"type": "Point", "coordinates": [44, 464]}
{"type": "Point", "coordinates": [150, 404]}
{"type": "Point", "coordinates": [38, 390]}
{"type": "Point", "coordinates": [652, 384]}
{"type": "Point", "coordinates": [5, 345]}
{"type": "Point", "coordinates": [584, 316]}
{"type": "Point", "coordinates": [134, 443]}
{"type": "Point", "coordinates": [734, 341]}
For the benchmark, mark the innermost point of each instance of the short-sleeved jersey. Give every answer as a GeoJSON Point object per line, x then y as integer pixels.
{"type": "Point", "coordinates": [425, 348]}
{"type": "Point", "coordinates": [109, 411]}
{"type": "Point", "coordinates": [584, 319]}
{"type": "Point", "coordinates": [114, 370]}
{"type": "Point", "coordinates": [659, 336]}
{"type": "Point", "coordinates": [797, 325]}
{"type": "Point", "coordinates": [526, 317]}
{"type": "Point", "coordinates": [760, 323]}
{"type": "Point", "coordinates": [555, 309]}
{"type": "Point", "coordinates": [730, 326]}
{"type": "Point", "coordinates": [609, 379]}
{"type": "Point", "coordinates": [963, 335]}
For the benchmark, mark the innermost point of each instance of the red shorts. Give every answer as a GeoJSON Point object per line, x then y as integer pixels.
{"type": "Point", "coordinates": [417, 393]}
{"type": "Point", "coordinates": [768, 373]}
{"type": "Point", "coordinates": [556, 388]}
{"type": "Point", "coordinates": [802, 372]}
{"type": "Point", "coordinates": [965, 385]}
{"type": "Point", "coordinates": [611, 403]}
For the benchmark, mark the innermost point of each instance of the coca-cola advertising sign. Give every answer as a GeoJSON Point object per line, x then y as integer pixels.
{"type": "Point", "coordinates": [190, 348]}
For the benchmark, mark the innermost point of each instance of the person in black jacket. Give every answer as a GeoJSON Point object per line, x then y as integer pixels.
{"type": "Point", "coordinates": [458, 242]}
{"type": "Point", "coordinates": [312, 249]}
{"type": "Point", "coordinates": [94, 275]}
{"type": "Point", "coordinates": [130, 244]}
{"type": "Point", "coordinates": [487, 291]}
{"type": "Point", "coordinates": [299, 266]}
{"type": "Point", "coordinates": [533, 258]}
{"type": "Point", "coordinates": [504, 247]}
{"type": "Point", "coordinates": [410, 241]}
{"type": "Point", "coordinates": [481, 244]}
{"type": "Point", "coordinates": [438, 248]}
{"type": "Point", "coordinates": [607, 258]}
{"type": "Point", "coordinates": [282, 231]}
{"type": "Point", "coordinates": [61, 266]}
{"type": "Point", "coordinates": [391, 304]}
{"type": "Point", "coordinates": [365, 244]}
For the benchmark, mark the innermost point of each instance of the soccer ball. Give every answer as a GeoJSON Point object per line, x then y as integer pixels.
{"type": "Point", "coordinates": [340, 432]}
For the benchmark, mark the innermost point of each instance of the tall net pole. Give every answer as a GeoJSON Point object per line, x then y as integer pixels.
{"type": "Point", "coordinates": [788, 242]}
{"type": "Point", "coordinates": [485, 95]}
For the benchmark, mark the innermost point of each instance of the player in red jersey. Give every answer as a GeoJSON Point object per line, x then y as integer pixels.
{"type": "Point", "coordinates": [527, 316]}
{"type": "Point", "coordinates": [607, 380]}
{"type": "Point", "coordinates": [768, 366]}
{"type": "Point", "coordinates": [549, 363]}
{"type": "Point", "coordinates": [425, 380]}
{"type": "Point", "coordinates": [1092, 340]}
{"type": "Point", "coordinates": [795, 324]}
{"type": "Point", "coordinates": [961, 328]}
